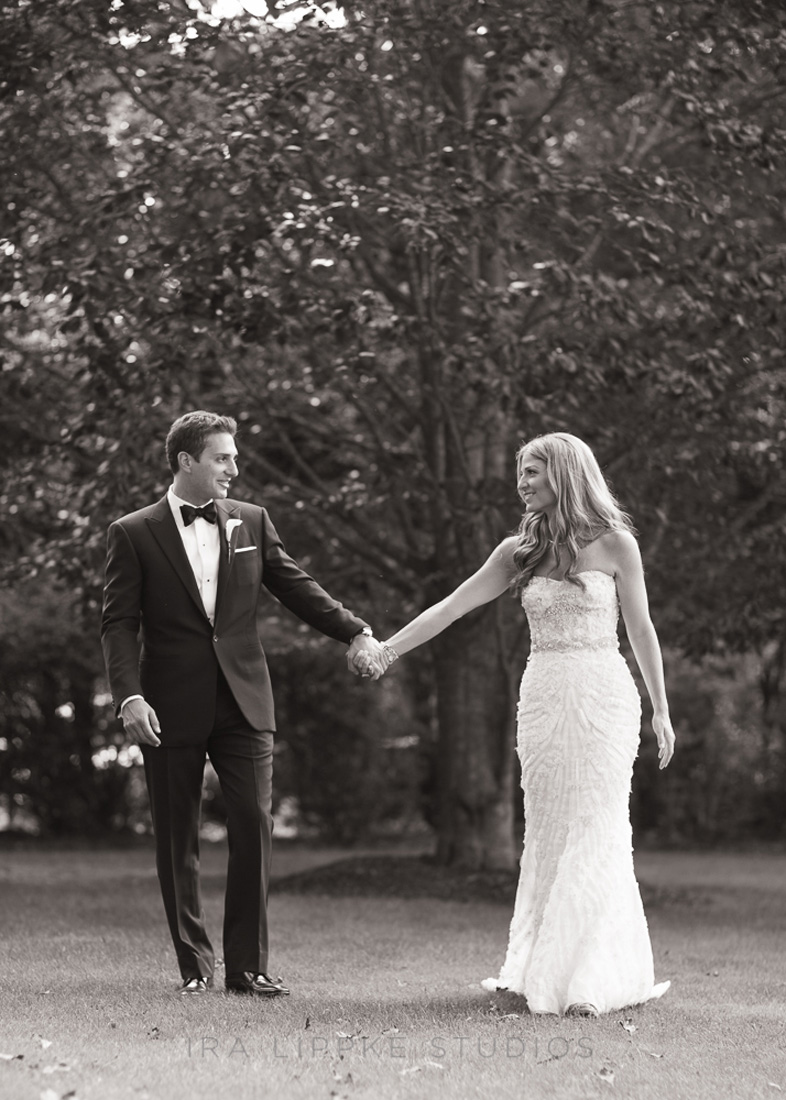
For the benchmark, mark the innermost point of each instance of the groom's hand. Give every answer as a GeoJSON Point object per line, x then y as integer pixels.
{"type": "Point", "coordinates": [365, 657]}
{"type": "Point", "coordinates": [140, 722]}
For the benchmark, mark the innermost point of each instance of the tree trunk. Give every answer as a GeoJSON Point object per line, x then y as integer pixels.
{"type": "Point", "coordinates": [478, 664]}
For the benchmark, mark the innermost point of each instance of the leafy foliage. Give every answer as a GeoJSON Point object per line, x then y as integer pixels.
{"type": "Point", "coordinates": [54, 728]}
{"type": "Point", "coordinates": [395, 244]}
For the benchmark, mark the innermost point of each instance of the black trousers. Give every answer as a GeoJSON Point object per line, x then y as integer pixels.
{"type": "Point", "coordinates": [243, 760]}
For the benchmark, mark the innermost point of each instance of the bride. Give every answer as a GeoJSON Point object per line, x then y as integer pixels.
{"type": "Point", "coordinates": [578, 941]}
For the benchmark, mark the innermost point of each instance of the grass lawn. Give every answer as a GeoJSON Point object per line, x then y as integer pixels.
{"type": "Point", "coordinates": [385, 999]}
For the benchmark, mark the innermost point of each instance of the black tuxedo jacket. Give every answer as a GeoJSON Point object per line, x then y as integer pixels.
{"type": "Point", "coordinates": [157, 640]}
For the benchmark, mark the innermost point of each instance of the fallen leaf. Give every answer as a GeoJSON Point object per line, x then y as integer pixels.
{"type": "Point", "coordinates": [419, 1069]}
{"type": "Point", "coordinates": [629, 1026]}
{"type": "Point", "coordinates": [774, 1086]}
{"type": "Point", "coordinates": [307, 1024]}
{"type": "Point", "coordinates": [390, 1031]}
{"type": "Point", "coordinates": [652, 1054]}
{"type": "Point", "coordinates": [606, 1075]}
{"type": "Point", "coordinates": [43, 1043]}
{"type": "Point", "coordinates": [10, 1057]}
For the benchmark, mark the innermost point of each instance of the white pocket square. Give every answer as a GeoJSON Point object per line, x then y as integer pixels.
{"type": "Point", "coordinates": [244, 549]}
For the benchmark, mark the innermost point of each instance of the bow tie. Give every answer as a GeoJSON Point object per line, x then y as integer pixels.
{"type": "Point", "coordinates": [190, 513]}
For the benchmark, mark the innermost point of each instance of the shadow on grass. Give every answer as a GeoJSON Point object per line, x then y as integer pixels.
{"type": "Point", "coordinates": [401, 877]}
{"type": "Point", "coordinates": [423, 877]}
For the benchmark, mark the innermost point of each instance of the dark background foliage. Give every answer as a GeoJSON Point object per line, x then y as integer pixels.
{"type": "Point", "coordinates": [395, 247]}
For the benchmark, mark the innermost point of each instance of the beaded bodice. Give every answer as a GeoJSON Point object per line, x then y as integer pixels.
{"type": "Point", "coordinates": [563, 617]}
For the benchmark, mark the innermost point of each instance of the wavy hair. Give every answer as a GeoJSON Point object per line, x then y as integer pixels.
{"type": "Point", "coordinates": [586, 508]}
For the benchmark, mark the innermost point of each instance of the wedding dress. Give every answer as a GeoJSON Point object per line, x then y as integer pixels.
{"type": "Point", "coordinates": [578, 934]}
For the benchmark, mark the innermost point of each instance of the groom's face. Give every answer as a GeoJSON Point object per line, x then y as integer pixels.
{"type": "Point", "coordinates": [211, 474]}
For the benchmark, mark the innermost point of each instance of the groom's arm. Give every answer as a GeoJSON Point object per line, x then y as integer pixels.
{"type": "Point", "coordinates": [300, 593]}
{"type": "Point", "coordinates": [120, 619]}
{"type": "Point", "coordinates": [120, 624]}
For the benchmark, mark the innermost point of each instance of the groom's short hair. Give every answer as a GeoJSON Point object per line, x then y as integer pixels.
{"type": "Point", "coordinates": [190, 432]}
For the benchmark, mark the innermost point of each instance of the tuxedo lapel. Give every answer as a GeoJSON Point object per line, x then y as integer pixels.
{"type": "Point", "coordinates": [224, 510]}
{"type": "Point", "coordinates": [164, 529]}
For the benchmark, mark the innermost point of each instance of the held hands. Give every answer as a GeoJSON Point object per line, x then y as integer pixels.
{"type": "Point", "coordinates": [665, 734]}
{"type": "Point", "coordinates": [141, 723]}
{"type": "Point", "coordinates": [368, 658]}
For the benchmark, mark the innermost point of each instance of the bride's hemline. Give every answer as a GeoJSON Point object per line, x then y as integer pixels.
{"type": "Point", "coordinates": [491, 985]}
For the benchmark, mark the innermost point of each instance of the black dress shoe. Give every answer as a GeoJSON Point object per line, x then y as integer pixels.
{"type": "Point", "coordinates": [259, 984]}
{"type": "Point", "coordinates": [195, 987]}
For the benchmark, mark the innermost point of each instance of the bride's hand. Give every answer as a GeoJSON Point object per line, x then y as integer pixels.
{"type": "Point", "coordinates": [661, 723]}
{"type": "Point", "coordinates": [365, 658]}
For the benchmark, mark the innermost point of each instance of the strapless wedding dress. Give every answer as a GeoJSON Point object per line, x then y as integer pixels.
{"type": "Point", "coordinates": [578, 932]}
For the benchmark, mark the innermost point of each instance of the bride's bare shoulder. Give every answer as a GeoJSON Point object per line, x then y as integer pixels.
{"type": "Point", "coordinates": [616, 548]}
{"type": "Point", "coordinates": [616, 540]}
{"type": "Point", "coordinates": [504, 552]}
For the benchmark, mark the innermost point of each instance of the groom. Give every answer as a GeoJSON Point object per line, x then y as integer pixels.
{"type": "Point", "coordinates": [188, 675]}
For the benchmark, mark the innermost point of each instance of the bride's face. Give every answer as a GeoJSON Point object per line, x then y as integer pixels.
{"type": "Point", "coordinates": [534, 487]}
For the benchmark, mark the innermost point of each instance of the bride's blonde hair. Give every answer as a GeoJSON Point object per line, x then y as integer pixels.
{"type": "Point", "coordinates": [586, 508]}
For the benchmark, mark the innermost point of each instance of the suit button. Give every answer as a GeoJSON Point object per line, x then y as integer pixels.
{"type": "Point", "coordinates": [215, 637]}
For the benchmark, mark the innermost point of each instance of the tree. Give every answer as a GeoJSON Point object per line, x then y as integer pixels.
{"type": "Point", "coordinates": [54, 729]}
{"type": "Point", "coordinates": [396, 246]}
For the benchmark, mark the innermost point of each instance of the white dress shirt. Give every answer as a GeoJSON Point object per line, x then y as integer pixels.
{"type": "Point", "coordinates": [202, 543]}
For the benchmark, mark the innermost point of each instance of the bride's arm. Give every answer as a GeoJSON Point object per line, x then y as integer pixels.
{"type": "Point", "coordinates": [634, 605]}
{"type": "Point", "coordinates": [490, 581]}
